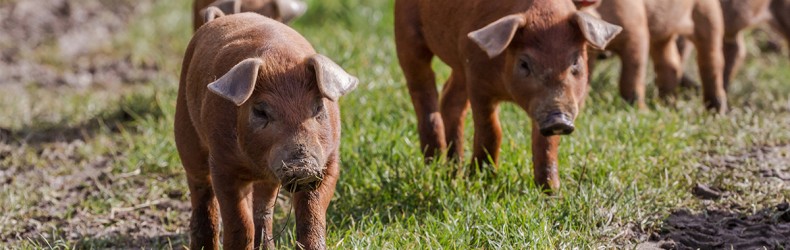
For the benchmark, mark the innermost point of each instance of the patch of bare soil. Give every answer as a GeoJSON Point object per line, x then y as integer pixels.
{"type": "Point", "coordinates": [62, 205]}
{"type": "Point", "coordinates": [61, 42]}
{"type": "Point", "coordinates": [722, 229]}
{"type": "Point", "coordinates": [736, 185]}
{"type": "Point", "coordinates": [49, 188]}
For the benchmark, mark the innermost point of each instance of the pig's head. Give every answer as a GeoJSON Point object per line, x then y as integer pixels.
{"type": "Point", "coordinates": [280, 10]}
{"type": "Point", "coordinates": [545, 60]}
{"type": "Point", "coordinates": [287, 118]}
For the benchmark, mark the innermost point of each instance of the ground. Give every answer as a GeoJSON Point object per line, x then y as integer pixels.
{"type": "Point", "coordinates": [87, 159]}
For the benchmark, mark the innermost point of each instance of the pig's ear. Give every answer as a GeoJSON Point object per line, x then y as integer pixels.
{"type": "Point", "coordinates": [237, 85]}
{"type": "Point", "coordinates": [597, 32]}
{"type": "Point", "coordinates": [290, 9]}
{"type": "Point", "coordinates": [211, 13]}
{"type": "Point", "coordinates": [228, 7]}
{"type": "Point", "coordinates": [333, 81]}
{"type": "Point", "coordinates": [495, 37]}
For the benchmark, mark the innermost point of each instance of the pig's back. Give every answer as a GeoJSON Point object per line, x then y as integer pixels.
{"type": "Point", "coordinates": [222, 43]}
{"type": "Point", "coordinates": [446, 23]}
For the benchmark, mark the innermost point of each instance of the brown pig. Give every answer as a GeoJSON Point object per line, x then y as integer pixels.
{"type": "Point", "coordinates": [650, 28]}
{"type": "Point", "coordinates": [280, 10]}
{"type": "Point", "coordinates": [531, 52]}
{"type": "Point", "coordinates": [780, 10]}
{"type": "Point", "coordinates": [257, 110]}
{"type": "Point", "coordinates": [740, 15]}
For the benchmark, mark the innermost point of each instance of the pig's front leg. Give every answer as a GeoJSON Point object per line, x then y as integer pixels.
{"type": "Point", "coordinates": [544, 160]}
{"type": "Point", "coordinates": [235, 206]}
{"type": "Point", "coordinates": [488, 133]}
{"type": "Point", "coordinates": [311, 208]}
{"type": "Point", "coordinates": [264, 198]}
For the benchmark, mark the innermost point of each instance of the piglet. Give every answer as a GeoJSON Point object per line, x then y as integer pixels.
{"type": "Point", "coordinates": [530, 52]}
{"type": "Point", "coordinates": [257, 112]}
{"type": "Point", "coordinates": [281, 10]}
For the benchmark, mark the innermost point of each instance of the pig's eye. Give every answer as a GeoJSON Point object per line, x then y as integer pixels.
{"type": "Point", "coordinates": [318, 110]}
{"type": "Point", "coordinates": [522, 68]}
{"type": "Point", "coordinates": [260, 114]}
{"type": "Point", "coordinates": [576, 68]}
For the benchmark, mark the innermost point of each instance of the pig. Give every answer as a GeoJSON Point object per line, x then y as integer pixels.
{"type": "Point", "coordinates": [650, 29]}
{"type": "Point", "coordinates": [530, 52]}
{"type": "Point", "coordinates": [257, 112]}
{"type": "Point", "coordinates": [738, 16]}
{"type": "Point", "coordinates": [280, 10]}
{"type": "Point", "coordinates": [781, 18]}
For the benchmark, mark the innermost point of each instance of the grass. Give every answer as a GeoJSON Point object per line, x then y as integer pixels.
{"type": "Point", "coordinates": [622, 170]}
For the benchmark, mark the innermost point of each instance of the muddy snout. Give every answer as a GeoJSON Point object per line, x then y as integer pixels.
{"type": "Point", "coordinates": [557, 123]}
{"type": "Point", "coordinates": [301, 174]}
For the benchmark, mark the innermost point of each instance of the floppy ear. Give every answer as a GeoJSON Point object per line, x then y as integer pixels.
{"type": "Point", "coordinates": [290, 9]}
{"type": "Point", "coordinates": [597, 32]}
{"type": "Point", "coordinates": [228, 7]}
{"type": "Point", "coordinates": [211, 13]}
{"type": "Point", "coordinates": [237, 85]}
{"type": "Point", "coordinates": [495, 37]}
{"type": "Point", "coordinates": [333, 81]}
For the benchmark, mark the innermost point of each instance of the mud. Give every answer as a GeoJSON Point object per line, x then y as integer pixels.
{"type": "Point", "coordinates": [60, 42]}
{"type": "Point", "coordinates": [721, 229]}
{"type": "Point", "coordinates": [745, 196]}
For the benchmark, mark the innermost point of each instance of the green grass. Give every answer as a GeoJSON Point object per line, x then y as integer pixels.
{"type": "Point", "coordinates": [621, 170]}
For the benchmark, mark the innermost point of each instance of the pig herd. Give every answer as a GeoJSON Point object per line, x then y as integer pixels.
{"type": "Point", "coordinates": [257, 105]}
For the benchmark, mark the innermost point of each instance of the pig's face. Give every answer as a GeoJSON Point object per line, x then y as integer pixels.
{"type": "Point", "coordinates": [287, 118]}
{"type": "Point", "coordinates": [287, 130]}
{"type": "Point", "coordinates": [549, 79]}
{"type": "Point", "coordinates": [545, 63]}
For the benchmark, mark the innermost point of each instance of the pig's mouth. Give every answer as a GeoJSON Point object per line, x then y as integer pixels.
{"type": "Point", "coordinates": [307, 184]}
{"type": "Point", "coordinates": [557, 123]}
{"type": "Point", "coordinates": [300, 175]}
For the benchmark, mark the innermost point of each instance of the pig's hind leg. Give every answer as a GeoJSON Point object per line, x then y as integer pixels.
{"type": "Point", "coordinates": [633, 49]}
{"type": "Point", "coordinates": [454, 106]}
{"type": "Point", "coordinates": [781, 18]}
{"type": "Point", "coordinates": [415, 57]}
{"type": "Point", "coordinates": [708, 38]}
{"type": "Point", "coordinates": [666, 60]}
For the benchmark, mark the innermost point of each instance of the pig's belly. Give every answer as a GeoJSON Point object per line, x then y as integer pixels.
{"type": "Point", "coordinates": [669, 17]}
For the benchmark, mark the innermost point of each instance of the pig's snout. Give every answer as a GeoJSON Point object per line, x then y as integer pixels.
{"type": "Point", "coordinates": [301, 174]}
{"type": "Point", "coordinates": [557, 123]}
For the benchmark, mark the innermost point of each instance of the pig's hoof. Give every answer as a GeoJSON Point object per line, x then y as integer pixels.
{"type": "Point", "coordinates": [717, 106]}
{"type": "Point", "coordinates": [557, 124]}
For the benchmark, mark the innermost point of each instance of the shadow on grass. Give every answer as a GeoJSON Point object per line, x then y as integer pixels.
{"type": "Point", "coordinates": [129, 109]}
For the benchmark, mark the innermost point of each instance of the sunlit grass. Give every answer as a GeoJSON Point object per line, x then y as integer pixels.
{"type": "Point", "coordinates": [622, 169]}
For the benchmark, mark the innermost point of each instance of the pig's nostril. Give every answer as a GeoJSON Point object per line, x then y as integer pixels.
{"type": "Point", "coordinates": [557, 124]}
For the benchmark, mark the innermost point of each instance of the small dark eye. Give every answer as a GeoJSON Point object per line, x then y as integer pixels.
{"type": "Point", "coordinates": [319, 109]}
{"type": "Point", "coordinates": [523, 67]}
{"type": "Point", "coordinates": [260, 115]}
{"type": "Point", "coordinates": [576, 68]}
